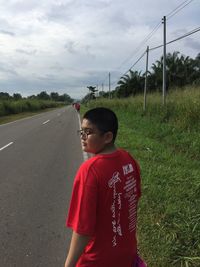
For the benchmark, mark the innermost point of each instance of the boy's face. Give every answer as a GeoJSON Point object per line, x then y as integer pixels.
{"type": "Point", "coordinates": [92, 140]}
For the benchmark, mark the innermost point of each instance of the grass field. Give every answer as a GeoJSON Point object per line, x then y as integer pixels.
{"type": "Point", "coordinates": [10, 107]}
{"type": "Point", "coordinates": [166, 142]}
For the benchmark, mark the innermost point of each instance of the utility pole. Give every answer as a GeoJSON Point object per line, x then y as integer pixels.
{"type": "Point", "coordinates": [164, 60]}
{"type": "Point", "coordinates": [109, 85]}
{"type": "Point", "coordinates": [145, 85]}
{"type": "Point", "coordinates": [97, 90]}
{"type": "Point", "coordinates": [102, 86]}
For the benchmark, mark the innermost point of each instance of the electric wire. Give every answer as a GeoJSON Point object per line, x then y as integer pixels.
{"type": "Point", "coordinates": [185, 35]}
{"type": "Point", "coordinates": [156, 47]}
{"type": "Point", "coordinates": [140, 45]}
{"type": "Point", "coordinates": [168, 16]}
{"type": "Point", "coordinates": [179, 38]}
{"type": "Point", "coordinates": [176, 10]}
{"type": "Point", "coordinates": [132, 65]}
{"type": "Point", "coordinates": [138, 60]}
{"type": "Point", "coordinates": [151, 49]}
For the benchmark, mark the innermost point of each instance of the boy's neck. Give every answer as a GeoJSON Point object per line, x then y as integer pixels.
{"type": "Point", "coordinates": [107, 149]}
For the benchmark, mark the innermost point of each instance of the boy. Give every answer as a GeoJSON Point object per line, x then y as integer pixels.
{"type": "Point", "coordinates": [103, 206]}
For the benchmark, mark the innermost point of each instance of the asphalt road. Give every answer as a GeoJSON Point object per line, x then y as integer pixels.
{"type": "Point", "coordinates": [38, 160]}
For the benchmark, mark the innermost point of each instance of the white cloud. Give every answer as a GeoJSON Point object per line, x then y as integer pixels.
{"type": "Point", "coordinates": [66, 45]}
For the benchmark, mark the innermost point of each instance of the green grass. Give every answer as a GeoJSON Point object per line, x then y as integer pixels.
{"type": "Point", "coordinates": [166, 142]}
{"type": "Point", "coordinates": [11, 110]}
{"type": "Point", "coordinates": [9, 107]}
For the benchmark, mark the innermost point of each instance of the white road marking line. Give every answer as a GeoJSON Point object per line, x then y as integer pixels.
{"type": "Point", "coordinates": [85, 155]}
{"type": "Point", "coordinates": [46, 122]}
{"type": "Point", "coordinates": [6, 146]}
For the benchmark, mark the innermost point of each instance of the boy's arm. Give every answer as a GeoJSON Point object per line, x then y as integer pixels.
{"type": "Point", "coordinates": [77, 245]}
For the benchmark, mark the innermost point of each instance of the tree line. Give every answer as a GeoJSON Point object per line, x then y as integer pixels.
{"type": "Point", "coordinates": [181, 70]}
{"type": "Point", "coordinates": [53, 96]}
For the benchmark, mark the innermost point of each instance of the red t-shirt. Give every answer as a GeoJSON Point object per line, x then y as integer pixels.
{"type": "Point", "coordinates": [77, 106]}
{"type": "Point", "coordinates": [104, 206]}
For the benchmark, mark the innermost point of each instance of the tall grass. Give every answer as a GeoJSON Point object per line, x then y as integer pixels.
{"type": "Point", "coordinates": [15, 107]}
{"type": "Point", "coordinates": [182, 109]}
{"type": "Point", "coordinates": [166, 142]}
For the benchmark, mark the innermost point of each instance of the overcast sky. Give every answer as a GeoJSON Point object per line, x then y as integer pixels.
{"type": "Point", "coordinates": [65, 46]}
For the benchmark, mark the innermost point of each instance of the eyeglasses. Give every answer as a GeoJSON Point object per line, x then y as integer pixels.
{"type": "Point", "coordinates": [85, 133]}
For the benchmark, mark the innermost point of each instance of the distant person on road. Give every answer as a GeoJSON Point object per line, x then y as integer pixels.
{"type": "Point", "coordinates": [77, 106]}
{"type": "Point", "coordinates": [106, 190]}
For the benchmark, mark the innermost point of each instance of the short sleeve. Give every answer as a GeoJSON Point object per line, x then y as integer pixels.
{"type": "Point", "coordinates": [83, 206]}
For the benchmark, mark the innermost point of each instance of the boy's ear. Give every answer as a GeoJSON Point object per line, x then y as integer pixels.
{"type": "Point", "coordinates": [108, 137]}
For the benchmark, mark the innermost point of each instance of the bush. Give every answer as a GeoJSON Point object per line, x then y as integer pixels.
{"type": "Point", "coordinates": [14, 107]}
{"type": "Point", "coordinates": [2, 109]}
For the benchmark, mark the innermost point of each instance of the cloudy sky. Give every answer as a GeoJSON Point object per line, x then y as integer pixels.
{"type": "Point", "coordinates": [64, 46]}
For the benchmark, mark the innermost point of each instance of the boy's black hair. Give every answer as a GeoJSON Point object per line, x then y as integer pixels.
{"type": "Point", "coordinates": [104, 119]}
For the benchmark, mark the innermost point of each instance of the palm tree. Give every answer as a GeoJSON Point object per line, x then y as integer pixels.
{"type": "Point", "coordinates": [181, 70]}
{"type": "Point", "coordinates": [156, 76]}
{"type": "Point", "coordinates": [130, 84]}
{"type": "Point", "coordinates": [92, 91]}
{"type": "Point", "coordinates": [195, 76]}
{"type": "Point", "coordinates": [172, 65]}
{"type": "Point", "coordinates": [122, 89]}
{"type": "Point", "coordinates": [137, 81]}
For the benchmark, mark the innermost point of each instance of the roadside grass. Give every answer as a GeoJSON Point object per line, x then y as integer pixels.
{"type": "Point", "coordinates": [166, 142]}
{"type": "Point", "coordinates": [9, 107]}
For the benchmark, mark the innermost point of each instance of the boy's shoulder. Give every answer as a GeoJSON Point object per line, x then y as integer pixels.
{"type": "Point", "coordinates": [107, 162]}
{"type": "Point", "coordinates": [119, 153]}
{"type": "Point", "coordinates": [87, 164]}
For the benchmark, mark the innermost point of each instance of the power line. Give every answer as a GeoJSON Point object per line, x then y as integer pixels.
{"type": "Point", "coordinates": [181, 37]}
{"type": "Point", "coordinates": [168, 16]}
{"type": "Point", "coordinates": [133, 65]}
{"type": "Point", "coordinates": [178, 9]}
{"type": "Point", "coordinates": [139, 46]}
{"type": "Point", "coordinates": [138, 60]}
{"type": "Point", "coordinates": [185, 35]}
{"type": "Point", "coordinates": [156, 47]}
